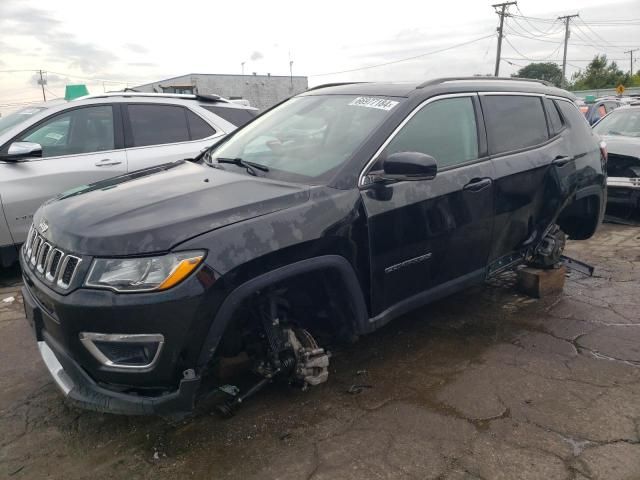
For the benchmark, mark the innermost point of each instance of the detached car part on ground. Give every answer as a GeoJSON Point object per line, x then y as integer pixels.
{"type": "Point", "coordinates": [49, 148]}
{"type": "Point", "coordinates": [323, 219]}
{"type": "Point", "coordinates": [621, 132]}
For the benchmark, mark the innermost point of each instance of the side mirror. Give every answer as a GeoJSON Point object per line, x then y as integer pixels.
{"type": "Point", "coordinates": [22, 150]}
{"type": "Point", "coordinates": [409, 166]}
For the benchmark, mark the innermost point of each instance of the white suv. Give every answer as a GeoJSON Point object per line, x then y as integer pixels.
{"type": "Point", "coordinates": [62, 146]}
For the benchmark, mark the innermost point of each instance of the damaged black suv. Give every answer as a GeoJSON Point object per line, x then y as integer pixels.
{"type": "Point", "coordinates": [326, 217]}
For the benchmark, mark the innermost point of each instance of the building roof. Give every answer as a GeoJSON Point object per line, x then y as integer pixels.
{"type": "Point", "coordinates": [218, 75]}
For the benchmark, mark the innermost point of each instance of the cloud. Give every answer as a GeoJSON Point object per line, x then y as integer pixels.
{"type": "Point", "coordinates": [256, 56]}
{"type": "Point", "coordinates": [136, 48]}
{"type": "Point", "coordinates": [20, 20]}
{"type": "Point", "coordinates": [141, 64]}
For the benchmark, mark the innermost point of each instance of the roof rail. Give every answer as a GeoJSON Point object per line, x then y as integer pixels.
{"type": "Point", "coordinates": [437, 81]}
{"type": "Point", "coordinates": [184, 96]}
{"type": "Point", "coordinates": [335, 84]}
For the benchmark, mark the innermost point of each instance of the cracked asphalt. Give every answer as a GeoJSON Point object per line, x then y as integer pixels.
{"type": "Point", "coordinates": [486, 384]}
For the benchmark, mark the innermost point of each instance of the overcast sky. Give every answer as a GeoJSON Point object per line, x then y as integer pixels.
{"type": "Point", "coordinates": [116, 44]}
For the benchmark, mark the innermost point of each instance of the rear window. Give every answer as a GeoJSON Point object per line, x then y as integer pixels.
{"type": "Point", "coordinates": [157, 124]}
{"type": "Point", "coordinates": [198, 127]}
{"type": "Point", "coordinates": [514, 122]}
{"type": "Point", "coordinates": [236, 116]}
{"type": "Point", "coordinates": [555, 119]}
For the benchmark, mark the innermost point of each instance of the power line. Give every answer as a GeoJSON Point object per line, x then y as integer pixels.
{"type": "Point", "coordinates": [433, 52]}
{"type": "Point", "coordinates": [526, 19]}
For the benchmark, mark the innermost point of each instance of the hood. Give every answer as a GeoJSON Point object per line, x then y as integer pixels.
{"type": "Point", "coordinates": [155, 209]}
{"type": "Point", "coordinates": [622, 145]}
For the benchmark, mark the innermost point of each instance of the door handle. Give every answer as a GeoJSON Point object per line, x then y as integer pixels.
{"type": "Point", "coordinates": [561, 160]}
{"type": "Point", "coordinates": [107, 162]}
{"type": "Point", "coordinates": [478, 184]}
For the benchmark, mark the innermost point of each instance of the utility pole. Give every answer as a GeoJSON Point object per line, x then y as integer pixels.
{"type": "Point", "coordinates": [41, 82]}
{"type": "Point", "coordinates": [503, 11]}
{"type": "Point", "coordinates": [242, 64]}
{"type": "Point", "coordinates": [630, 52]}
{"type": "Point", "coordinates": [567, 20]}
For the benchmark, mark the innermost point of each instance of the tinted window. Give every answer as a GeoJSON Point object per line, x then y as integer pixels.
{"type": "Point", "coordinates": [236, 116]}
{"type": "Point", "coordinates": [514, 122]}
{"type": "Point", "coordinates": [83, 130]}
{"type": "Point", "coordinates": [198, 127]}
{"type": "Point", "coordinates": [555, 120]}
{"type": "Point", "coordinates": [158, 124]}
{"type": "Point", "coordinates": [445, 129]}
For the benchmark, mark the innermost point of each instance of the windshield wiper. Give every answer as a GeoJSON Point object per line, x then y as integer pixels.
{"type": "Point", "coordinates": [249, 166]}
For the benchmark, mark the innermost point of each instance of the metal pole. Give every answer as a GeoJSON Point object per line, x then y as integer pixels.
{"type": "Point", "coordinates": [503, 7]}
{"type": "Point", "coordinates": [44, 96]}
{"type": "Point", "coordinates": [567, 19]}
{"type": "Point", "coordinates": [630, 52]}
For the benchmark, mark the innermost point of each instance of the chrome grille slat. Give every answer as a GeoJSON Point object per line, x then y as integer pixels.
{"type": "Point", "coordinates": [52, 264]}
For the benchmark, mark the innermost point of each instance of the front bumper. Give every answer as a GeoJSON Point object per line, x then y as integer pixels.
{"type": "Point", "coordinates": [80, 388]}
{"type": "Point", "coordinates": [624, 191]}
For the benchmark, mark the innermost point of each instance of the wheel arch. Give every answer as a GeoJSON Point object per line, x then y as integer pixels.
{"type": "Point", "coordinates": [581, 217]}
{"type": "Point", "coordinates": [335, 263]}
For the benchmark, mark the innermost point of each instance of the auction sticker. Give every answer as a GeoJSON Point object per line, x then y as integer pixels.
{"type": "Point", "coordinates": [372, 102]}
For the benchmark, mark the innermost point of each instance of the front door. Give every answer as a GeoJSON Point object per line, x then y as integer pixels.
{"type": "Point", "coordinates": [432, 233]}
{"type": "Point", "coordinates": [79, 146]}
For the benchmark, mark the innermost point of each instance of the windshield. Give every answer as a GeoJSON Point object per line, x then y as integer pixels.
{"type": "Point", "coordinates": [307, 138]}
{"type": "Point", "coordinates": [621, 122]}
{"type": "Point", "coordinates": [18, 117]}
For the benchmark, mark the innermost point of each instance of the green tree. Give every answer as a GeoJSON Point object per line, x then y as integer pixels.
{"type": "Point", "coordinates": [548, 71]}
{"type": "Point", "coordinates": [600, 73]}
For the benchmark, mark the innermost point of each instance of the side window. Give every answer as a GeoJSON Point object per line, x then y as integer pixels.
{"type": "Point", "coordinates": [514, 122]}
{"type": "Point", "coordinates": [157, 124]}
{"type": "Point", "coordinates": [198, 127]}
{"type": "Point", "coordinates": [611, 106]}
{"type": "Point", "coordinates": [445, 129]}
{"type": "Point", "coordinates": [235, 116]}
{"type": "Point", "coordinates": [83, 130]}
{"type": "Point", "coordinates": [555, 119]}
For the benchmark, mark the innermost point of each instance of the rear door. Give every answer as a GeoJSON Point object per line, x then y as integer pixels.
{"type": "Point", "coordinates": [79, 146]}
{"type": "Point", "coordinates": [158, 133]}
{"type": "Point", "coordinates": [523, 150]}
{"type": "Point", "coordinates": [427, 234]}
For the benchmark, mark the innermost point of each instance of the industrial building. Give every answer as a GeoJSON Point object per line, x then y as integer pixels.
{"type": "Point", "coordinates": [261, 91]}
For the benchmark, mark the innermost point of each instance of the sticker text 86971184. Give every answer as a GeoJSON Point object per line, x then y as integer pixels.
{"type": "Point", "coordinates": [372, 102]}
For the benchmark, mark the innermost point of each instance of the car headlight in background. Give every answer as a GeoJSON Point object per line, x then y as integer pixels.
{"type": "Point", "coordinates": [143, 274]}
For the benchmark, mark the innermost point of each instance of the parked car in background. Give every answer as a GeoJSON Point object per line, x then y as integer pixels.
{"type": "Point", "coordinates": [621, 132]}
{"type": "Point", "coordinates": [47, 150]}
{"type": "Point", "coordinates": [598, 108]}
{"type": "Point", "coordinates": [330, 215]}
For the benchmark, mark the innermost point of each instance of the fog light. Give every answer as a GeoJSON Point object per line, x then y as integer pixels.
{"type": "Point", "coordinates": [126, 351]}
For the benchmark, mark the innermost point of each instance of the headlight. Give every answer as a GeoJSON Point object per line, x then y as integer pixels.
{"type": "Point", "coordinates": [143, 274]}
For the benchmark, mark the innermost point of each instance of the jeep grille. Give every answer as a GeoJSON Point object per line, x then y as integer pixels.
{"type": "Point", "coordinates": [48, 262]}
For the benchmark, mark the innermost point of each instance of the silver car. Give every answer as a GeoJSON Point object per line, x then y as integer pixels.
{"type": "Point", "coordinates": [50, 149]}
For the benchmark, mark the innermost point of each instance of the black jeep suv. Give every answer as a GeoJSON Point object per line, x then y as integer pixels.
{"type": "Point", "coordinates": [332, 213]}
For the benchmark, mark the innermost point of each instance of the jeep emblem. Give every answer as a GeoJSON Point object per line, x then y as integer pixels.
{"type": "Point", "coordinates": [44, 226]}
